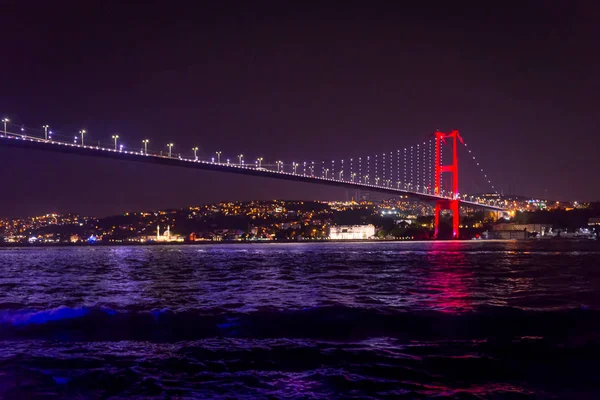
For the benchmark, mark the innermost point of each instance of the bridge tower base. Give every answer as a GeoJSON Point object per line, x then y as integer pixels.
{"type": "Point", "coordinates": [452, 203]}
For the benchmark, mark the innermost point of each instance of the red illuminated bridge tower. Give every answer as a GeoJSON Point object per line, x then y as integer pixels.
{"type": "Point", "coordinates": [452, 203]}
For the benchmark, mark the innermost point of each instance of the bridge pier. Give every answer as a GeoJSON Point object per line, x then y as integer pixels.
{"type": "Point", "coordinates": [452, 205]}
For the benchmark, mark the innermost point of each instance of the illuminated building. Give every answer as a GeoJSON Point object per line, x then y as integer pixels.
{"type": "Point", "coordinates": [351, 232]}
{"type": "Point", "coordinates": [594, 222]}
{"type": "Point", "coordinates": [167, 237]}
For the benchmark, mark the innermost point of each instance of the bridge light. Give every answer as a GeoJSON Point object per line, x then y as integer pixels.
{"type": "Point", "coordinates": [5, 120]}
{"type": "Point", "coordinates": [115, 138]}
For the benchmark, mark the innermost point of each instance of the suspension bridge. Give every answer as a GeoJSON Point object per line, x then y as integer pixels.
{"type": "Point", "coordinates": [418, 172]}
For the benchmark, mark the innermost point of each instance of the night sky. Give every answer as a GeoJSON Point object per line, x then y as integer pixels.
{"type": "Point", "coordinates": [308, 80]}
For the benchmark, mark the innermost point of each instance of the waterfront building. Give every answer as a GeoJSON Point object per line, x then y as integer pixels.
{"type": "Point", "coordinates": [539, 229]}
{"type": "Point", "coordinates": [351, 232]}
{"type": "Point", "coordinates": [594, 222]}
{"type": "Point", "coordinates": [167, 237]}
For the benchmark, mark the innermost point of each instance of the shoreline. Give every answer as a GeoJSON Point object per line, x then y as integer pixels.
{"type": "Point", "coordinates": [241, 242]}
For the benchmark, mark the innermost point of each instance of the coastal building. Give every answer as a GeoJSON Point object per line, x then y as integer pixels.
{"type": "Point", "coordinates": [167, 236]}
{"type": "Point", "coordinates": [594, 222]}
{"type": "Point", "coordinates": [539, 229]}
{"type": "Point", "coordinates": [351, 232]}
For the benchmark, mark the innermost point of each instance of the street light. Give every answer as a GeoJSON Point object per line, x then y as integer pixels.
{"type": "Point", "coordinates": [195, 152]}
{"type": "Point", "coordinates": [5, 120]}
{"type": "Point", "coordinates": [294, 165]}
{"type": "Point", "coordinates": [170, 146]}
{"type": "Point", "coordinates": [241, 159]}
{"type": "Point", "coordinates": [145, 141]}
{"type": "Point", "coordinates": [45, 131]}
{"type": "Point", "coordinates": [82, 132]}
{"type": "Point", "coordinates": [341, 174]}
{"type": "Point", "coordinates": [376, 181]}
{"type": "Point", "coordinates": [218, 157]}
{"type": "Point", "coordinates": [259, 161]}
{"type": "Point", "coordinates": [279, 164]}
{"type": "Point", "coordinates": [353, 176]}
{"type": "Point", "coordinates": [366, 178]}
{"type": "Point", "coordinates": [326, 171]}
{"type": "Point", "coordinates": [115, 137]}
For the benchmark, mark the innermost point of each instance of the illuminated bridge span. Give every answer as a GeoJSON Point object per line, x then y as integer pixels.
{"type": "Point", "coordinates": [416, 172]}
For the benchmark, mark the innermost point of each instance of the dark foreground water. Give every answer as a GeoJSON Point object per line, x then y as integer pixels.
{"type": "Point", "coordinates": [319, 321]}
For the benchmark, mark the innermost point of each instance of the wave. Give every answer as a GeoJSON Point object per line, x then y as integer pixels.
{"type": "Point", "coordinates": [329, 323]}
{"type": "Point", "coordinates": [26, 317]}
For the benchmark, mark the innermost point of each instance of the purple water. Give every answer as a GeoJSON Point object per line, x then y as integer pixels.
{"type": "Point", "coordinates": [319, 321]}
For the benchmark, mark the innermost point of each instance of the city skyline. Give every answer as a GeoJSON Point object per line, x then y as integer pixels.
{"type": "Point", "coordinates": [279, 219]}
{"type": "Point", "coordinates": [228, 79]}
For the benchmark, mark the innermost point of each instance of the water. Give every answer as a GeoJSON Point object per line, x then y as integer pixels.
{"type": "Point", "coordinates": [319, 321]}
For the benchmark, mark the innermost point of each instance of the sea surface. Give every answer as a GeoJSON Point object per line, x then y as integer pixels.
{"type": "Point", "coordinates": [464, 320]}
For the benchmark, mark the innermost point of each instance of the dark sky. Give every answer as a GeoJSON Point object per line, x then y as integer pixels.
{"type": "Point", "coordinates": [295, 80]}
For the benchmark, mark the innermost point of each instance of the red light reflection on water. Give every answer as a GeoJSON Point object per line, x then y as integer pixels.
{"type": "Point", "coordinates": [477, 390]}
{"type": "Point", "coordinates": [448, 283]}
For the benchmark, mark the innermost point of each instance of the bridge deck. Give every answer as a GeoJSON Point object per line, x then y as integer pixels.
{"type": "Point", "coordinates": [28, 142]}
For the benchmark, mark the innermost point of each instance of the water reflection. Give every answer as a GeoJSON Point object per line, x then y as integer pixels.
{"type": "Point", "coordinates": [449, 279]}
